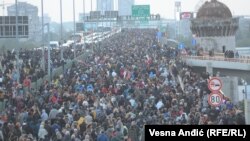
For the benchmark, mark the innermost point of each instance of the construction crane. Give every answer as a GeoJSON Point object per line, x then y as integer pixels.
{"type": "Point", "coordinates": [3, 5]}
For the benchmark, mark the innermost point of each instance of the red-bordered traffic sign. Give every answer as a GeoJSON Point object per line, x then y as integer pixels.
{"type": "Point", "coordinates": [214, 84]}
{"type": "Point", "coordinates": [215, 99]}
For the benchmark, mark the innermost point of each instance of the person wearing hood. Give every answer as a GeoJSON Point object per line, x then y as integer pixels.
{"type": "Point", "coordinates": [42, 133]}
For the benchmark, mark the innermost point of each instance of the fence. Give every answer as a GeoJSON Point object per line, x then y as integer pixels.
{"type": "Point", "coordinates": [58, 71]}
{"type": "Point", "coordinates": [217, 58]}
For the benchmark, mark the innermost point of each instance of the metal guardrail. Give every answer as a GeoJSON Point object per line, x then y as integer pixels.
{"type": "Point", "coordinates": [58, 71]}
{"type": "Point", "coordinates": [217, 58]}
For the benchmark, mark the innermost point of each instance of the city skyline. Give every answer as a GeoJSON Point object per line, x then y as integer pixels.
{"type": "Point", "coordinates": [166, 10]}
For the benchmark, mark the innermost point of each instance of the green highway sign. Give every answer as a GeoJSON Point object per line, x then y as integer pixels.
{"type": "Point", "coordinates": [140, 10]}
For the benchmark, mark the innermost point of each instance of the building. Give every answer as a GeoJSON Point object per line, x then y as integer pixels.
{"type": "Point", "coordinates": [26, 9]}
{"type": "Point", "coordinates": [184, 24]}
{"type": "Point", "coordinates": [46, 18]}
{"type": "Point", "coordinates": [83, 17]}
{"type": "Point", "coordinates": [104, 5]}
{"type": "Point", "coordinates": [215, 27]}
{"type": "Point", "coordinates": [125, 7]}
{"type": "Point", "coordinates": [244, 22]}
{"type": "Point", "coordinates": [184, 28]}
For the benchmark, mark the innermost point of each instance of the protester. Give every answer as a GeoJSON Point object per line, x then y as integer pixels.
{"type": "Point", "coordinates": [128, 81]}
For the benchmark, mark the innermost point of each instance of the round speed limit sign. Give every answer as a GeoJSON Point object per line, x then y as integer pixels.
{"type": "Point", "coordinates": [215, 99]}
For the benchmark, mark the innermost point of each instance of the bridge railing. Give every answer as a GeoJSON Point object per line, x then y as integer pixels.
{"type": "Point", "coordinates": [218, 58]}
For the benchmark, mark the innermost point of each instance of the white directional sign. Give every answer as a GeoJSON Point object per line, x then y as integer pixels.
{"type": "Point", "coordinates": [215, 99]}
{"type": "Point", "coordinates": [214, 84]}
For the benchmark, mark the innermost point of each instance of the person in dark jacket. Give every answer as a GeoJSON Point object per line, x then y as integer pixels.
{"type": "Point", "coordinates": [133, 132]}
{"type": "Point", "coordinates": [102, 137]}
{"type": "Point", "coordinates": [118, 136]}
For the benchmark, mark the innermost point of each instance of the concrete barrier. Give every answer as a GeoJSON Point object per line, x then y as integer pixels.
{"type": "Point", "coordinates": [247, 111]}
{"type": "Point", "coordinates": [230, 88]}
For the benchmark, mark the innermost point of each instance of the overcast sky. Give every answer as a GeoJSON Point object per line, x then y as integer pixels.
{"type": "Point", "coordinates": [164, 7]}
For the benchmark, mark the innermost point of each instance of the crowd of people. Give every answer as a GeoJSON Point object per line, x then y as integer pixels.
{"type": "Point", "coordinates": [29, 64]}
{"type": "Point", "coordinates": [231, 54]}
{"type": "Point", "coordinates": [128, 81]}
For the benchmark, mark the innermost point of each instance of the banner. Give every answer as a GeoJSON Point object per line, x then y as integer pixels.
{"type": "Point", "coordinates": [186, 15]}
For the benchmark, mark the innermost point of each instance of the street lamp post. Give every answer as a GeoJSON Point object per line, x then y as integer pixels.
{"type": "Point", "coordinates": [83, 19]}
{"type": "Point", "coordinates": [245, 90]}
{"type": "Point", "coordinates": [18, 67]}
{"type": "Point", "coordinates": [92, 28]}
{"type": "Point", "coordinates": [74, 46]}
{"type": "Point", "coordinates": [61, 38]}
{"type": "Point", "coordinates": [49, 60]}
{"type": "Point", "coordinates": [43, 58]}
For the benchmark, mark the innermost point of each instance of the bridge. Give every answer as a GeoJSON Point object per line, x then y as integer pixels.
{"type": "Point", "coordinates": [218, 62]}
{"type": "Point", "coordinates": [237, 67]}
{"type": "Point", "coordinates": [233, 68]}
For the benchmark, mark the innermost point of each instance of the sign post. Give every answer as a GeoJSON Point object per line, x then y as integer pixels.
{"type": "Point", "coordinates": [215, 98]}
{"type": "Point", "coordinates": [215, 84]}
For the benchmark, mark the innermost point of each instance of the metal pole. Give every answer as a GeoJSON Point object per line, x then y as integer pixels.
{"type": "Point", "coordinates": [83, 8]}
{"type": "Point", "coordinates": [18, 67]}
{"type": "Point", "coordinates": [175, 30]}
{"type": "Point", "coordinates": [83, 19]}
{"type": "Point", "coordinates": [43, 57]}
{"type": "Point", "coordinates": [92, 28]}
{"type": "Point", "coordinates": [3, 7]}
{"type": "Point", "coordinates": [110, 15]}
{"type": "Point", "coordinates": [74, 46]}
{"type": "Point", "coordinates": [179, 23]}
{"type": "Point", "coordinates": [103, 12]}
{"type": "Point", "coordinates": [246, 90]}
{"type": "Point", "coordinates": [49, 61]}
{"type": "Point", "coordinates": [61, 38]}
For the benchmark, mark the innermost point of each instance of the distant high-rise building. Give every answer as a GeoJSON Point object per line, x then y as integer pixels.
{"type": "Point", "coordinates": [125, 7]}
{"type": "Point", "coordinates": [104, 5]}
{"type": "Point", "coordinates": [46, 18]}
{"type": "Point", "coordinates": [26, 9]}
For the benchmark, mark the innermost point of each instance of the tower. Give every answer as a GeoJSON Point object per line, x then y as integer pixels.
{"type": "Point", "coordinates": [215, 27]}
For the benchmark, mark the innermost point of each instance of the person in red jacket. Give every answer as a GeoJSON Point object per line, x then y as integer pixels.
{"type": "Point", "coordinates": [26, 84]}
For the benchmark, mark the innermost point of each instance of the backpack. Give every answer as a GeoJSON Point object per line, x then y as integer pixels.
{"type": "Point", "coordinates": [58, 135]}
{"type": "Point", "coordinates": [125, 131]}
